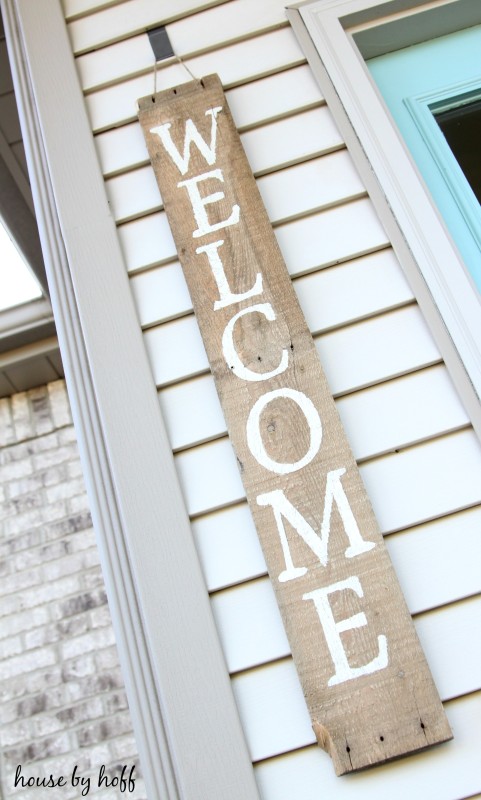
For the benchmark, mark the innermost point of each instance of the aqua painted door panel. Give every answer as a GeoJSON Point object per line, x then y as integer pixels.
{"type": "Point", "coordinates": [416, 83]}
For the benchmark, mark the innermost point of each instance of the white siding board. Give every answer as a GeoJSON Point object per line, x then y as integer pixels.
{"type": "Point", "coordinates": [273, 710]}
{"type": "Point", "coordinates": [147, 241]}
{"type": "Point", "coordinates": [196, 469]}
{"type": "Point", "coordinates": [252, 633]}
{"type": "Point", "coordinates": [401, 412]}
{"type": "Point", "coordinates": [352, 291]}
{"type": "Point", "coordinates": [75, 8]}
{"type": "Point", "coordinates": [378, 420]}
{"type": "Point", "coordinates": [122, 20]}
{"type": "Point", "coordinates": [229, 22]}
{"type": "Point", "coordinates": [368, 285]}
{"type": "Point", "coordinates": [176, 351]}
{"type": "Point", "coordinates": [440, 773]}
{"type": "Point", "coordinates": [192, 412]}
{"type": "Point", "coordinates": [354, 357]}
{"type": "Point", "coordinates": [450, 639]}
{"type": "Point", "coordinates": [274, 716]}
{"type": "Point", "coordinates": [117, 105]}
{"type": "Point", "coordinates": [311, 186]}
{"type": "Point", "coordinates": [369, 352]}
{"type": "Point", "coordinates": [250, 625]}
{"type": "Point", "coordinates": [161, 294]}
{"type": "Point", "coordinates": [431, 571]}
{"type": "Point", "coordinates": [289, 193]}
{"type": "Point", "coordinates": [350, 230]}
{"type": "Point", "coordinates": [292, 140]}
{"type": "Point", "coordinates": [405, 489]}
{"type": "Point", "coordinates": [282, 93]}
{"type": "Point", "coordinates": [228, 547]}
{"type": "Point", "coordinates": [424, 482]}
{"type": "Point", "coordinates": [236, 63]}
{"type": "Point", "coordinates": [330, 236]}
{"type": "Point", "coordinates": [274, 96]}
{"type": "Point", "coordinates": [121, 149]}
{"type": "Point", "coordinates": [119, 61]}
{"type": "Point", "coordinates": [276, 145]}
{"type": "Point", "coordinates": [438, 562]}
{"type": "Point", "coordinates": [133, 194]}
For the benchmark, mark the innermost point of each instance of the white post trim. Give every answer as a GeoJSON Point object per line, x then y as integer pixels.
{"type": "Point", "coordinates": [185, 720]}
{"type": "Point", "coordinates": [438, 277]}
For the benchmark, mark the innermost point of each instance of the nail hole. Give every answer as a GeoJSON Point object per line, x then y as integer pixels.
{"type": "Point", "coordinates": [259, 358]}
{"type": "Point", "coordinates": [292, 346]}
{"type": "Point", "coordinates": [174, 91]}
{"type": "Point", "coordinates": [381, 738]}
{"type": "Point", "coordinates": [348, 749]}
{"type": "Point", "coordinates": [422, 725]}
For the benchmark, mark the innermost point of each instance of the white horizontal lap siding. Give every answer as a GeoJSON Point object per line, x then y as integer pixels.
{"type": "Point", "coordinates": [78, 8]}
{"type": "Point", "coordinates": [193, 33]}
{"type": "Point", "coordinates": [264, 54]}
{"type": "Point", "coordinates": [407, 427]}
{"type": "Point", "coordinates": [252, 634]}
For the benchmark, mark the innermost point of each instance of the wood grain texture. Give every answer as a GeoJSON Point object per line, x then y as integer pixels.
{"type": "Point", "coordinates": [455, 769]}
{"type": "Point", "coordinates": [363, 714]}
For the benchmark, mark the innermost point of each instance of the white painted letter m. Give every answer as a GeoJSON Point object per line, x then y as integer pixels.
{"type": "Point", "coordinates": [283, 508]}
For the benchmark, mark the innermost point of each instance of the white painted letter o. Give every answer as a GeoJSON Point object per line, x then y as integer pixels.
{"type": "Point", "coordinates": [254, 439]}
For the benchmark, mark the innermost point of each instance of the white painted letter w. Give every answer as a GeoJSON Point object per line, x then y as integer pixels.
{"type": "Point", "coordinates": [191, 135]}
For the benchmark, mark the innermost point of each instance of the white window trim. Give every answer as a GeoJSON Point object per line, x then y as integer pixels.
{"type": "Point", "coordinates": [186, 723]}
{"type": "Point", "coordinates": [433, 266]}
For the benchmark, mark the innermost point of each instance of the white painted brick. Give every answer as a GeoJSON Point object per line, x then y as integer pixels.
{"type": "Point", "coordinates": [59, 404]}
{"type": "Point", "coordinates": [7, 430]}
{"type": "Point", "coordinates": [93, 641]}
{"type": "Point", "coordinates": [23, 621]}
{"type": "Point", "coordinates": [77, 503]}
{"type": "Point", "coordinates": [22, 421]}
{"type": "Point", "coordinates": [66, 490]}
{"type": "Point", "coordinates": [40, 411]}
{"type": "Point", "coordinates": [15, 469]}
{"type": "Point", "coordinates": [23, 486]}
{"type": "Point", "coordinates": [27, 662]}
{"type": "Point", "coordinates": [11, 646]}
{"type": "Point", "coordinates": [58, 455]}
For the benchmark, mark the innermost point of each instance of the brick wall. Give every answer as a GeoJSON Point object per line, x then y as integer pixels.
{"type": "Point", "coordinates": [62, 701]}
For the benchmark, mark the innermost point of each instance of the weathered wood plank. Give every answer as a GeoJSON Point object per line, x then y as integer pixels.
{"type": "Point", "coordinates": [456, 767]}
{"type": "Point", "coordinates": [364, 709]}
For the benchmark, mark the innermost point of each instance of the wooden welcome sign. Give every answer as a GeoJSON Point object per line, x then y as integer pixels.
{"type": "Point", "coordinates": [365, 679]}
